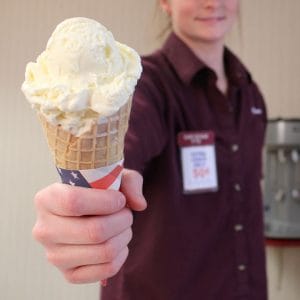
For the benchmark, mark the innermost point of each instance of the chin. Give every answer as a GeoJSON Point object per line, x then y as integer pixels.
{"type": "Point", "coordinates": [210, 38]}
{"type": "Point", "coordinates": [211, 34]}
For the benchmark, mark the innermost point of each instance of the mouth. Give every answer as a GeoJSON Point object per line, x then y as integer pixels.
{"type": "Point", "coordinates": [210, 20]}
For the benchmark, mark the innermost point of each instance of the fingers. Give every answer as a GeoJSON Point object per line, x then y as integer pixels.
{"type": "Point", "coordinates": [94, 273]}
{"type": "Point", "coordinates": [132, 188]}
{"type": "Point", "coordinates": [52, 229]}
{"type": "Point", "coordinates": [86, 231]}
{"type": "Point", "coordinates": [64, 200]}
{"type": "Point", "coordinates": [66, 257]}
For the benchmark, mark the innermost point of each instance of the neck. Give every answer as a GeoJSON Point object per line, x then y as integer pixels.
{"type": "Point", "coordinates": [212, 55]}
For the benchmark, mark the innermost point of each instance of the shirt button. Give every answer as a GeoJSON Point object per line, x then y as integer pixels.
{"type": "Point", "coordinates": [237, 187]}
{"type": "Point", "coordinates": [241, 267]}
{"type": "Point", "coordinates": [238, 227]}
{"type": "Point", "coordinates": [234, 147]}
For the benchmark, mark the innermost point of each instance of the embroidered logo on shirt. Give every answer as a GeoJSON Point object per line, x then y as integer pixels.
{"type": "Point", "coordinates": [256, 110]}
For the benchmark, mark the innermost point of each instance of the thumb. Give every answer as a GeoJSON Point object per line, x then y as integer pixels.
{"type": "Point", "coordinates": [131, 187]}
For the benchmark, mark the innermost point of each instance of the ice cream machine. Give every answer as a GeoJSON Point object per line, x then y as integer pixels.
{"type": "Point", "coordinates": [282, 179]}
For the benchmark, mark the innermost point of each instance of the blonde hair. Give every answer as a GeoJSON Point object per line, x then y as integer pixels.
{"type": "Point", "coordinates": [164, 20]}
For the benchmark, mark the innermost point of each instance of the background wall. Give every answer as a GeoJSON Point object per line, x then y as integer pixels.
{"type": "Point", "coordinates": [268, 42]}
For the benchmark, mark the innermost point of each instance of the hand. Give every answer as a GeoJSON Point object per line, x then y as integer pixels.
{"type": "Point", "coordinates": [85, 232]}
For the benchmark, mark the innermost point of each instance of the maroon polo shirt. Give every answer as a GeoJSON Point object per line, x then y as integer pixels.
{"type": "Point", "coordinates": [207, 246]}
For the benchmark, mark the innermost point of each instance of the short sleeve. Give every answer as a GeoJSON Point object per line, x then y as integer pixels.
{"type": "Point", "coordinates": [261, 103]}
{"type": "Point", "coordinates": [147, 133]}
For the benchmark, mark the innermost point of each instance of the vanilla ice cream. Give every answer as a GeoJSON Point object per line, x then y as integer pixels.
{"type": "Point", "coordinates": [83, 76]}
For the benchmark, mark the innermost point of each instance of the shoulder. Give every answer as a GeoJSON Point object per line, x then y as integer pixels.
{"type": "Point", "coordinates": [153, 61]}
{"type": "Point", "coordinates": [149, 91]}
{"type": "Point", "coordinates": [155, 67]}
{"type": "Point", "coordinates": [243, 77]}
{"type": "Point", "coordinates": [155, 77]}
{"type": "Point", "coordinates": [239, 73]}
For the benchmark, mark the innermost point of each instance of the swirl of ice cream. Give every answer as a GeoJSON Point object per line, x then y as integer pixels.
{"type": "Point", "coordinates": [82, 76]}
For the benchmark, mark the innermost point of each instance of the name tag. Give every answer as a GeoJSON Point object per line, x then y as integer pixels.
{"type": "Point", "coordinates": [198, 161]}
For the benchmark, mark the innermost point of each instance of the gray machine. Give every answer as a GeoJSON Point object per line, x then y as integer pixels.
{"type": "Point", "coordinates": [282, 179]}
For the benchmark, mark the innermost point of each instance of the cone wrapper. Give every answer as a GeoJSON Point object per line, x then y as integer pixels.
{"type": "Point", "coordinates": [108, 177]}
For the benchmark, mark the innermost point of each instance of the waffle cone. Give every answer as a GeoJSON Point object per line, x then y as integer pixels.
{"type": "Point", "coordinates": [103, 145]}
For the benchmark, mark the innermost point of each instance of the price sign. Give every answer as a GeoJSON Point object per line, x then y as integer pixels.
{"type": "Point", "coordinates": [198, 161]}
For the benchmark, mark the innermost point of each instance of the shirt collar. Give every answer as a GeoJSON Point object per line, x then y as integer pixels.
{"type": "Point", "coordinates": [183, 60]}
{"type": "Point", "coordinates": [187, 65]}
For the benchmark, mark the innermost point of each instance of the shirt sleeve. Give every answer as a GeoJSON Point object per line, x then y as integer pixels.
{"type": "Point", "coordinates": [261, 103]}
{"type": "Point", "coordinates": [147, 133]}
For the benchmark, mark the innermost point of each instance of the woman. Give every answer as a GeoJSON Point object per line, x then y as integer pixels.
{"type": "Point", "coordinates": [199, 240]}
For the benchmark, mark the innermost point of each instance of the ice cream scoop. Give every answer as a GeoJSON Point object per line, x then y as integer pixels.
{"type": "Point", "coordinates": [83, 76]}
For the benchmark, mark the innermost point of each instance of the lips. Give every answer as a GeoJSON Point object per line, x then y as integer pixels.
{"type": "Point", "coordinates": [210, 20]}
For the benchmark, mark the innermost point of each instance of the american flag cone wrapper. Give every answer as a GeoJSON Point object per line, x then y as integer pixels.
{"type": "Point", "coordinates": [94, 159]}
